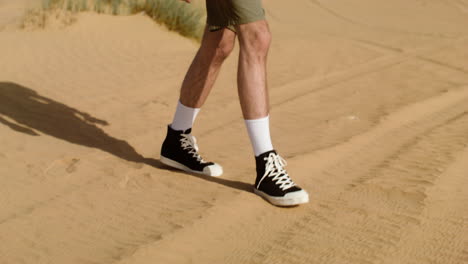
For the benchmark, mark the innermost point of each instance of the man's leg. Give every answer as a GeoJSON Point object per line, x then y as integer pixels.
{"type": "Point", "coordinates": [180, 149]}
{"type": "Point", "coordinates": [201, 75]}
{"type": "Point", "coordinates": [215, 48]}
{"type": "Point", "coordinates": [254, 40]}
{"type": "Point", "coordinates": [273, 182]}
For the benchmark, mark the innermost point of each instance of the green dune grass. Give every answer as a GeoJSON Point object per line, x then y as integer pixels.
{"type": "Point", "coordinates": [176, 15]}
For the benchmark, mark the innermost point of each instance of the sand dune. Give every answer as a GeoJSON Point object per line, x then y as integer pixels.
{"type": "Point", "coordinates": [369, 106]}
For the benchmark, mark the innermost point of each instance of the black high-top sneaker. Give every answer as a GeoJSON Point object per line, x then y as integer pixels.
{"type": "Point", "coordinates": [273, 182]}
{"type": "Point", "coordinates": [180, 150]}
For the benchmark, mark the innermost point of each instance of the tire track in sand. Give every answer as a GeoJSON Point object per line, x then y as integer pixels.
{"type": "Point", "coordinates": [443, 230]}
{"type": "Point", "coordinates": [107, 218]}
{"type": "Point", "coordinates": [384, 207]}
{"type": "Point", "coordinates": [368, 194]}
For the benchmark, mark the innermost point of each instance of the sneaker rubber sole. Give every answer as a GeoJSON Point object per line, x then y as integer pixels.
{"type": "Point", "coordinates": [290, 199]}
{"type": "Point", "coordinates": [213, 170]}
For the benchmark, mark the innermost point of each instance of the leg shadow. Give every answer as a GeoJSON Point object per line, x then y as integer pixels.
{"type": "Point", "coordinates": [242, 186]}
{"type": "Point", "coordinates": [33, 112]}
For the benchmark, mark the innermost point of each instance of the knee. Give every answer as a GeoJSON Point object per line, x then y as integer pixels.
{"type": "Point", "coordinates": [223, 49]}
{"type": "Point", "coordinates": [256, 41]}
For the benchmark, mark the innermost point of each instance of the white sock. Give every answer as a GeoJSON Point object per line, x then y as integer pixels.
{"type": "Point", "coordinates": [259, 133]}
{"type": "Point", "coordinates": [184, 117]}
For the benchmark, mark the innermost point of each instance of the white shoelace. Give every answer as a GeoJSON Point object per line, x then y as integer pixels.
{"type": "Point", "coordinates": [190, 142]}
{"type": "Point", "coordinates": [275, 168]}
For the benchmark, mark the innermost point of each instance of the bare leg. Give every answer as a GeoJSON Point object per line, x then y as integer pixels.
{"type": "Point", "coordinates": [179, 149]}
{"type": "Point", "coordinates": [203, 71]}
{"type": "Point", "coordinates": [254, 40]}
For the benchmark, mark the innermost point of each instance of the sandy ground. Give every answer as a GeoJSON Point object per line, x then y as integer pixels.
{"type": "Point", "coordinates": [369, 107]}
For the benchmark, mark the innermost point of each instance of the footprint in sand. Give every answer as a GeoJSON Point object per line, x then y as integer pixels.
{"type": "Point", "coordinates": [62, 166]}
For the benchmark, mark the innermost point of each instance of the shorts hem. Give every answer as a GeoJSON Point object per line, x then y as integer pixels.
{"type": "Point", "coordinates": [233, 26]}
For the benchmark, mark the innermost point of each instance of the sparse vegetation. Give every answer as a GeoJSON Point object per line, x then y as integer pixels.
{"type": "Point", "coordinates": [174, 14]}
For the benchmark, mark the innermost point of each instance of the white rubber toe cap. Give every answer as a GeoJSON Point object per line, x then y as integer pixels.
{"type": "Point", "coordinates": [301, 195]}
{"type": "Point", "coordinates": [214, 170]}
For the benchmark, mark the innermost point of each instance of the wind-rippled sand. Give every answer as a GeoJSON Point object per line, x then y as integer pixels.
{"type": "Point", "coordinates": [369, 107]}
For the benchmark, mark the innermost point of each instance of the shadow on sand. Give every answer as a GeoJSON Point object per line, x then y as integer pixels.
{"type": "Point", "coordinates": [32, 112]}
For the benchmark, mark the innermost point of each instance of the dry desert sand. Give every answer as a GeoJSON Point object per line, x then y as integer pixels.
{"type": "Point", "coordinates": [369, 107]}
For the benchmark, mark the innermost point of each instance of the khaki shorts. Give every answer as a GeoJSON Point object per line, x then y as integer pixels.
{"type": "Point", "coordinates": [229, 13]}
